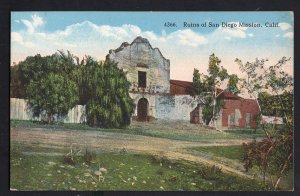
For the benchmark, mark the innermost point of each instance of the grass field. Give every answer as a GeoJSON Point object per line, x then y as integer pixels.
{"type": "Point", "coordinates": [40, 168]}
{"type": "Point", "coordinates": [230, 155]}
{"type": "Point", "coordinates": [164, 131]}
{"type": "Point", "coordinates": [230, 152]}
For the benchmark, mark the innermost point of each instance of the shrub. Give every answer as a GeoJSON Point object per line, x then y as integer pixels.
{"type": "Point", "coordinates": [211, 173]}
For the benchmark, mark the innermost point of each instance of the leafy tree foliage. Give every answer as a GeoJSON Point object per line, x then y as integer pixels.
{"type": "Point", "coordinates": [274, 154]}
{"type": "Point", "coordinates": [54, 84]}
{"type": "Point", "coordinates": [17, 88]}
{"type": "Point", "coordinates": [104, 90]}
{"type": "Point", "coordinates": [232, 84]}
{"type": "Point", "coordinates": [53, 94]}
{"type": "Point", "coordinates": [48, 83]}
{"type": "Point", "coordinates": [206, 86]}
{"type": "Point", "coordinates": [270, 104]}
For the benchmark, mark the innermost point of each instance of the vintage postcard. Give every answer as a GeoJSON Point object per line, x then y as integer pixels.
{"type": "Point", "coordinates": [152, 101]}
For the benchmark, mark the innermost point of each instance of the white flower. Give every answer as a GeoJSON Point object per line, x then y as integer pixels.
{"type": "Point", "coordinates": [51, 163]}
{"type": "Point", "coordinates": [87, 174]}
{"type": "Point", "coordinates": [102, 169]}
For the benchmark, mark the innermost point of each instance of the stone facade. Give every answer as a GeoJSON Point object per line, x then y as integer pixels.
{"type": "Point", "coordinates": [139, 56]}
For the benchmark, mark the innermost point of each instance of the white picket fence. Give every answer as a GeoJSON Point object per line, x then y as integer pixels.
{"type": "Point", "coordinates": [20, 111]}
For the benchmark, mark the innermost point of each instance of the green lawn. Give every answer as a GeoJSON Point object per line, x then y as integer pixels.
{"type": "Point", "coordinates": [175, 134]}
{"type": "Point", "coordinates": [40, 168]}
{"type": "Point", "coordinates": [234, 155]}
{"type": "Point", "coordinates": [231, 152]}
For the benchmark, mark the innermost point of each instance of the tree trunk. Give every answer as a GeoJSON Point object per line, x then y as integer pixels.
{"type": "Point", "coordinates": [49, 118]}
{"type": "Point", "coordinates": [94, 120]}
{"type": "Point", "coordinates": [214, 106]}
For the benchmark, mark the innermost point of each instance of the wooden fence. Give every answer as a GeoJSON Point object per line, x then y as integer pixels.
{"type": "Point", "coordinates": [20, 111]}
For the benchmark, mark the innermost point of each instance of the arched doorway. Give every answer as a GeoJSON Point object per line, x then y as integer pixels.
{"type": "Point", "coordinates": [142, 109]}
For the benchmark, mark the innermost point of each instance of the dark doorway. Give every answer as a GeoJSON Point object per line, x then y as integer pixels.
{"type": "Point", "coordinates": [142, 79]}
{"type": "Point", "coordinates": [142, 109]}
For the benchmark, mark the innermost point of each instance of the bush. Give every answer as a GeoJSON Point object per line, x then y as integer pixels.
{"type": "Point", "coordinates": [211, 173]}
{"type": "Point", "coordinates": [88, 157]}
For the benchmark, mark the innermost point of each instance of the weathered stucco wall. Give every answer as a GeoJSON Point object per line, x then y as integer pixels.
{"type": "Point", "coordinates": [19, 111]}
{"type": "Point", "coordinates": [167, 107]}
{"type": "Point", "coordinates": [140, 56]}
{"type": "Point", "coordinates": [176, 107]}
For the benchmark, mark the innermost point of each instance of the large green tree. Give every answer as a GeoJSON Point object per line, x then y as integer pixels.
{"type": "Point", "coordinates": [52, 94]}
{"type": "Point", "coordinates": [104, 89]}
{"type": "Point", "coordinates": [56, 83]}
{"type": "Point", "coordinates": [49, 84]}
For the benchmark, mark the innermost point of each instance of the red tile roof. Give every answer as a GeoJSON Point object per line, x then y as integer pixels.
{"type": "Point", "coordinates": [184, 84]}
{"type": "Point", "coordinates": [229, 95]}
{"type": "Point", "coordinates": [225, 94]}
{"type": "Point", "coordinates": [220, 92]}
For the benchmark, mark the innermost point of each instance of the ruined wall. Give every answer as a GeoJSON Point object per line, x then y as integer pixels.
{"type": "Point", "coordinates": [176, 107]}
{"type": "Point", "coordinates": [140, 56]}
{"type": "Point", "coordinates": [234, 113]}
{"type": "Point", "coordinates": [167, 107]}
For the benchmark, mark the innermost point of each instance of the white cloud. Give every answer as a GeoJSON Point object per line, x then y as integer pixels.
{"type": "Point", "coordinates": [234, 32]}
{"type": "Point", "coordinates": [17, 21]}
{"type": "Point", "coordinates": [68, 45]}
{"type": "Point", "coordinates": [16, 37]}
{"type": "Point", "coordinates": [289, 35]}
{"type": "Point", "coordinates": [277, 35]}
{"type": "Point", "coordinates": [33, 24]}
{"type": "Point", "coordinates": [37, 20]}
{"type": "Point", "coordinates": [29, 44]}
{"type": "Point", "coordinates": [285, 26]}
{"type": "Point", "coordinates": [87, 30]}
{"type": "Point", "coordinates": [250, 34]}
{"type": "Point", "coordinates": [30, 27]}
{"type": "Point", "coordinates": [119, 33]}
{"type": "Point", "coordinates": [150, 35]}
{"type": "Point", "coordinates": [237, 32]}
{"type": "Point", "coordinates": [187, 37]}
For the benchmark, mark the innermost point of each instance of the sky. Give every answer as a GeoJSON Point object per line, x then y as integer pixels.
{"type": "Point", "coordinates": [187, 47]}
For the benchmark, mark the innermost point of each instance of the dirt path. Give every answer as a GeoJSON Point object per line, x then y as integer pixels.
{"type": "Point", "coordinates": [172, 149]}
